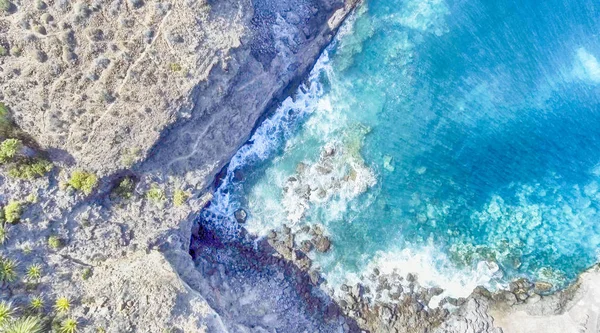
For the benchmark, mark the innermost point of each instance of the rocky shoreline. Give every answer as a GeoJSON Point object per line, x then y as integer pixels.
{"type": "Point", "coordinates": [400, 304]}
{"type": "Point", "coordinates": [146, 101]}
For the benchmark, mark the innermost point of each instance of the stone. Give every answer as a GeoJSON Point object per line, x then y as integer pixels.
{"type": "Point", "coordinates": [509, 298]}
{"type": "Point", "coordinates": [542, 286]}
{"type": "Point", "coordinates": [522, 296]}
{"type": "Point", "coordinates": [306, 246]}
{"type": "Point", "coordinates": [240, 215]}
{"type": "Point", "coordinates": [322, 243]}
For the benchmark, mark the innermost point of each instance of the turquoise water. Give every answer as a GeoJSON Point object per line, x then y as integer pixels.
{"type": "Point", "coordinates": [456, 139]}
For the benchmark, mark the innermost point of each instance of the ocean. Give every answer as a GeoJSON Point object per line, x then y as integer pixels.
{"type": "Point", "coordinates": [457, 140]}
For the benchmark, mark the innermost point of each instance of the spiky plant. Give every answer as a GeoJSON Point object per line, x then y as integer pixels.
{"type": "Point", "coordinates": [8, 271]}
{"type": "Point", "coordinates": [23, 325]}
{"type": "Point", "coordinates": [6, 313]}
{"type": "Point", "coordinates": [69, 325]}
{"type": "Point", "coordinates": [3, 233]}
{"type": "Point", "coordinates": [62, 305]}
{"type": "Point", "coordinates": [36, 303]}
{"type": "Point", "coordinates": [34, 272]}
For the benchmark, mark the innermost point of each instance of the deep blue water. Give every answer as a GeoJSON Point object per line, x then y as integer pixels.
{"type": "Point", "coordinates": [469, 130]}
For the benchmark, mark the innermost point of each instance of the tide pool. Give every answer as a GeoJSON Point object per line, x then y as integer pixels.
{"type": "Point", "coordinates": [458, 140]}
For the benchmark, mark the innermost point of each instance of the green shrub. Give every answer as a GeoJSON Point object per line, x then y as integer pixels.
{"type": "Point", "coordinates": [24, 325]}
{"type": "Point", "coordinates": [34, 272]}
{"type": "Point", "coordinates": [55, 242]}
{"type": "Point", "coordinates": [16, 51]}
{"type": "Point", "coordinates": [12, 212]}
{"type": "Point", "coordinates": [175, 67]}
{"type": "Point", "coordinates": [31, 198]}
{"type": "Point", "coordinates": [180, 197]}
{"type": "Point", "coordinates": [3, 233]}
{"type": "Point", "coordinates": [9, 149]}
{"type": "Point", "coordinates": [8, 272]}
{"type": "Point", "coordinates": [125, 188]}
{"type": "Point", "coordinates": [31, 169]}
{"type": "Point", "coordinates": [68, 326]}
{"type": "Point", "coordinates": [3, 51]}
{"type": "Point", "coordinates": [62, 305]}
{"type": "Point", "coordinates": [156, 194]}
{"type": "Point", "coordinates": [87, 273]}
{"type": "Point", "coordinates": [5, 5]}
{"type": "Point", "coordinates": [6, 313]}
{"type": "Point", "coordinates": [36, 303]}
{"type": "Point", "coordinates": [6, 124]}
{"type": "Point", "coordinates": [83, 181]}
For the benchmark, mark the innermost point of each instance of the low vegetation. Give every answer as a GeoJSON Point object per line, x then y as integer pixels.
{"type": "Point", "coordinates": [180, 197]}
{"type": "Point", "coordinates": [36, 304]}
{"type": "Point", "coordinates": [83, 181]}
{"type": "Point", "coordinates": [5, 5]}
{"type": "Point", "coordinates": [20, 165]}
{"type": "Point", "coordinates": [6, 313]}
{"type": "Point", "coordinates": [33, 168]}
{"type": "Point", "coordinates": [24, 325]}
{"type": "Point", "coordinates": [12, 212]}
{"type": "Point", "coordinates": [9, 149]}
{"type": "Point", "coordinates": [34, 272]}
{"type": "Point", "coordinates": [3, 232]}
{"type": "Point", "coordinates": [69, 325]}
{"type": "Point", "coordinates": [54, 242]}
{"type": "Point", "coordinates": [62, 305]}
{"type": "Point", "coordinates": [156, 194]}
{"type": "Point", "coordinates": [8, 270]}
{"type": "Point", "coordinates": [31, 320]}
{"type": "Point", "coordinates": [125, 188]}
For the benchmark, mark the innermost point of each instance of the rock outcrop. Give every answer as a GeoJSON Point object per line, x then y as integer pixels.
{"type": "Point", "coordinates": [151, 98]}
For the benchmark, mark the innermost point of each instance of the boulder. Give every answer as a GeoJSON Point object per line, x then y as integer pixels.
{"type": "Point", "coordinates": [240, 215]}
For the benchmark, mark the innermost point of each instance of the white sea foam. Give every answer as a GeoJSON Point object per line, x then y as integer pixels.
{"type": "Point", "coordinates": [586, 66]}
{"type": "Point", "coordinates": [268, 137]}
{"type": "Point", "coordinates": [431, 267]}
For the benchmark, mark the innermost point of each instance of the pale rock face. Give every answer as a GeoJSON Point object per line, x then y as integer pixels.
{"type": "Point", "coordinates": [169, 90]}
{"type": "Point", "coordinates": [100, 81]}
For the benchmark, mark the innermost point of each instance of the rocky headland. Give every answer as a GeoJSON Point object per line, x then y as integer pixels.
{"type": "Point", "coordinates": [116, 117]}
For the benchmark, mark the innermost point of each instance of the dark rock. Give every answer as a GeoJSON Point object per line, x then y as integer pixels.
{"type": "Point", "coordinates": [435, 291]}
{"type": "Point", "coordinates": [240, 215]}
{"type": "Point", "coordinates": [315, 277]}
{"type": "Point", "coordinates": [322, 243]}
{"type": "Point", "coordinates": [306, 246]}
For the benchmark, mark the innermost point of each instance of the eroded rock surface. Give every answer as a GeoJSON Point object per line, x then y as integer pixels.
{"type": "Point", "coordinates": [161, 94]}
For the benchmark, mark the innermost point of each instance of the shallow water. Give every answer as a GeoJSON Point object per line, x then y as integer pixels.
{"type": "Point", "coordinates": [456, 139]}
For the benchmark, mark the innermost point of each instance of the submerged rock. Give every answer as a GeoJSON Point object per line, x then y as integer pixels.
{"type": "Point", "coordinates": [240, 215]}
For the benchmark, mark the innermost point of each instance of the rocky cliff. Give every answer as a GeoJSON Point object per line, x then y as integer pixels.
{"type": "Point", "coordinates": [116, 116]}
